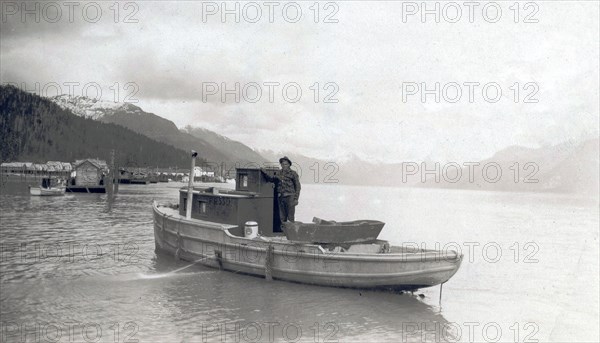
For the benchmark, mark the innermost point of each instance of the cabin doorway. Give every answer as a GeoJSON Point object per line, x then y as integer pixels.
{"type": "Point", "coordinates": [276, 217]}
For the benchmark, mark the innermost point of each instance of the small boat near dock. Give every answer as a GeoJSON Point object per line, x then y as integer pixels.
{"type": "Point", "coordinates": [237, 230]}
{"type": "Point", "coordinates": [48, 187]}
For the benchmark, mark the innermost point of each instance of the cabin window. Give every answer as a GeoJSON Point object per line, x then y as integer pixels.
{"type": "Point", "coordinates": [244, 180]}
{"type": "Point", "coordinates": [184, 204]}
{"type": "Point", "coordinates": [202, 207]}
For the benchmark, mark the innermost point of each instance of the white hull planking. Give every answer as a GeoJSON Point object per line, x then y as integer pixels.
{"type": "Point", "coordinates": [46, 191]}
{"type": "Point", "coordinates": [213, 245]}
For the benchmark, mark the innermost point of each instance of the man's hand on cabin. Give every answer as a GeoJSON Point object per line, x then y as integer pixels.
{"type": "Point", "coordinates": [296, 202]}
{"type": "Point", "coordinates": [266, 175]}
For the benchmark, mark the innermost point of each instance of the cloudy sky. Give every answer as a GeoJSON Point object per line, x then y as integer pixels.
{"type": "Point", "coordinates": [370, 60]}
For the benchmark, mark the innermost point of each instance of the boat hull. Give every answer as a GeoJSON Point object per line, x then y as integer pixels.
{"type": "Point", "coordinates": [212, 244]}
{"type": "Point", "coordinates": [38, 191]}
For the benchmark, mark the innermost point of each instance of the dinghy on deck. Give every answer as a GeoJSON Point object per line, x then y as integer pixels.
{"type": "Point", "coordinates": [324, 231]}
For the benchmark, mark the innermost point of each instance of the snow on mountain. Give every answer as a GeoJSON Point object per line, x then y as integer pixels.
{"type": "Point", "coordinates": [212, 146]}
{"type": "Point", "coordinates": [93, 108]}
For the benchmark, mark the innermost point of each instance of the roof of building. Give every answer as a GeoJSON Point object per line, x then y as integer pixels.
{"type": "Point", "coordinates": [100, 164]}
{"type": "Point", "coordinates": [48, 166]}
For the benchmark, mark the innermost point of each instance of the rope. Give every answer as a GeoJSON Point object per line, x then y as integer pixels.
{"type": "Point", "coordinates": [179, 244]}
{"type": "Point", "coordinates": [219, 258]}
{"type": "Point", "coordinates": [269, 263]}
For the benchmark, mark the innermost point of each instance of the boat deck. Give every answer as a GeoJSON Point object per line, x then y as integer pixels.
{"type": "Point", "coordinates": [376, 247]}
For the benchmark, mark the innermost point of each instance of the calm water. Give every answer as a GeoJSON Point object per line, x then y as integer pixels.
{"type": "Point", "coordinates": [81, 268]}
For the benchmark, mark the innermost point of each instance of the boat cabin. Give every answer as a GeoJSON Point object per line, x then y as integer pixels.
{"type": "Point", "coordinates": [49, 182]}
{"type": "Point", "coordinates": [254, 199]}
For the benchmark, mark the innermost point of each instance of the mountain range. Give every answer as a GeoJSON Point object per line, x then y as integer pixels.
{"type": "Point", "coordinates": [571, 167]}
{"type": "Point", "coordinates": [212, 147]}
{"type": "Point", "coordinates": [68, 127]}
{"type": "Point", "coordinates": [35, 129]}
{"type": "Point", "coordinates": [566, 167]}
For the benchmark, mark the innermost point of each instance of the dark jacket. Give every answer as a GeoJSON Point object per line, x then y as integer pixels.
{"type": "Point", "coordinates": [288, 183]}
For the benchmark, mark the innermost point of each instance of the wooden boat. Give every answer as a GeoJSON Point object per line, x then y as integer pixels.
{"type": "Point", "coordinates": [324, 231]}
{"type": "Point", "coordinates": [218, 230]}
{"type": "Point", "coordinates": [48, 187]}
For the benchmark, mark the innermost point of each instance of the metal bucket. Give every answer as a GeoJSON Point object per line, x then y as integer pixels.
{"type": "Point", "coordinates": [251, 229]}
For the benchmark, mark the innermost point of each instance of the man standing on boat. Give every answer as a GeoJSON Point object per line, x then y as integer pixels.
{"type": "Point", "coordinates": [288, 189]}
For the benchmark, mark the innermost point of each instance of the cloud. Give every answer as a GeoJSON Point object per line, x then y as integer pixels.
{"type": "Point", "coordinates": [170, 53]}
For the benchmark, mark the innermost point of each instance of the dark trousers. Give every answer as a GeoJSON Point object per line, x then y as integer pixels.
{"type": "Point", "coordinates": [287, 209]}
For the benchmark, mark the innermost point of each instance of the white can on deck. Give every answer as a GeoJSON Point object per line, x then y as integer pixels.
{"type": "Point", "coordinates": [251, 229]}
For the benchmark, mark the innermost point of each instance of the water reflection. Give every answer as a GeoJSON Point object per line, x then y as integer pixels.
{"type": "Point", "coordinates": [120, 279]}
{"type": "Point", "coordinates": [110, 201]}
{"type": "Point", "coordinates": [207, 303]}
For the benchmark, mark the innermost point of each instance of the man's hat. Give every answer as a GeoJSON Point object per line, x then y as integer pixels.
{"type": "Point", "coordinates": [285, 158]}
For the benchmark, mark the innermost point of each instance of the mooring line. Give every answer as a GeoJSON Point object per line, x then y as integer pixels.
{"type": "Point", "coordinates": [189, 265]}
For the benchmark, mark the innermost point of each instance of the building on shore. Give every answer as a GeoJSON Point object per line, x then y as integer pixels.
{"type": "Point", "coordinates": [90, 176]}
{"type": "Point", "coordinates": [90, 172]}
{"type": "Point", "coordinates": [34, 171]}
{"type": "Point", "coordinates": [199, 172]}
{"type": "Point", "coordinates": [134, 175]}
